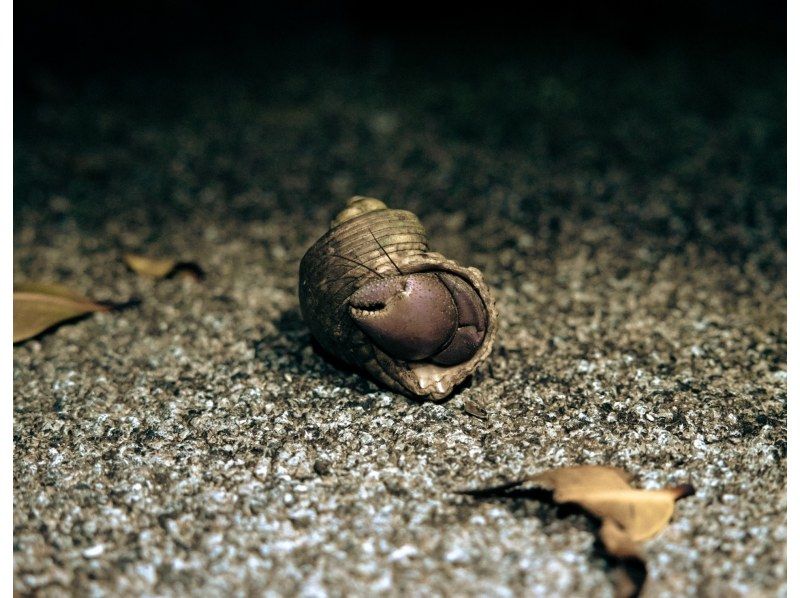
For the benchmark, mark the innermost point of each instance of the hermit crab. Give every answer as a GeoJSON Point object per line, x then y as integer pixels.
{"type": "Point", "coordinates": [374, 296]}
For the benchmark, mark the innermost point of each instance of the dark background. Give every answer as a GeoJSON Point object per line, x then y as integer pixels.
{"type": "Point", "coordinates": [84, 36]}
{"type": "Point", "coordinates": [690, 91]}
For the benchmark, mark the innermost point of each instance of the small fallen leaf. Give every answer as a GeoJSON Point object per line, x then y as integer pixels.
{"type": "Point", "coordinates": [627, 515]}
{"type": "Point", "coordinates": [40, 306]}
{"type": "Point", "coordinates": [48, 288]}
{"type": "Point", "coordinates": [161, 267]}
{"type": "Point", "coordinates": [605, 492]}
{"type": "Point", "coordinates": [149, 266]}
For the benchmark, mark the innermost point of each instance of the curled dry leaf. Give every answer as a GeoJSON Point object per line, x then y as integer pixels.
{"type": "Point", "coordinates": [606, 493]}
{"type": "Point", "coordinates": [162, 267]}
{"type": "Point", "coordinates": [627, 515]}
{"type": "Point", "coordinates": [40, 306]}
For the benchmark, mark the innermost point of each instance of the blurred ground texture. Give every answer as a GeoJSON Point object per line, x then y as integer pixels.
{"type": "Point", "coordinates": [628, 209]}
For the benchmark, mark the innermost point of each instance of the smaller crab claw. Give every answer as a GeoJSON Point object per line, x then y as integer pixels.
{"type": "Point", "coordinates": [471, 322]}
{"type": "Point", "coordinates": [410, 317]}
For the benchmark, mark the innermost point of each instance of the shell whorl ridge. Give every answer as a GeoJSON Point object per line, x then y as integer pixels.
{"type": "Point", "coordinates": [368, 241]}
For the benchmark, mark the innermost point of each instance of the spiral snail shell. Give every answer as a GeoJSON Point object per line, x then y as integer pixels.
{"type": "Point", "coordinates": [373, 295]}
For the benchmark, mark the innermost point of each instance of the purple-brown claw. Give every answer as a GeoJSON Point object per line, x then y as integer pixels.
{"type": "Point", "coordinates": [471, 322]}
{"type": "Point", "coordinates": [413, 317]}
{"type": "Point", "coordinates": [410, 317]}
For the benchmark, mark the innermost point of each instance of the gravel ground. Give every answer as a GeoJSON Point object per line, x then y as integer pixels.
{"type": "Point", "coordinates": [628, 211]}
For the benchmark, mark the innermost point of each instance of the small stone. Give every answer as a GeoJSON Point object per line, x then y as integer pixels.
{"type": "Point", "coordinates": [94, 551]}
{"type": "Point", "coordinates": [322, 467]}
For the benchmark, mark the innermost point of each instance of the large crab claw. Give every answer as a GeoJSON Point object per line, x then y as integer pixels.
{"type": "Point", "coordinates": [422, 316]}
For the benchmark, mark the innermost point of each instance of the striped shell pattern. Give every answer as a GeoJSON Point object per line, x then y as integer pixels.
{"type": "Point", "coordinates": [374, 296]}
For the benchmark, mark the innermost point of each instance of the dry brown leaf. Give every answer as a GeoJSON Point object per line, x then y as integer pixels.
{"type": "Point", "coordinates": [581, 478]}
{"type": "Point", "coordinates": [48, 288]}
{"type": "Point", "coordinates": [149, 266]}
{"type": "Point", "coordinates": [161, 267]}
{"type": "Point", "coordinates": [628, 516]}
{"type": "Point", "coordinates": [40, 306]}
{"type": "Point", "coordinates": [605, 492]}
